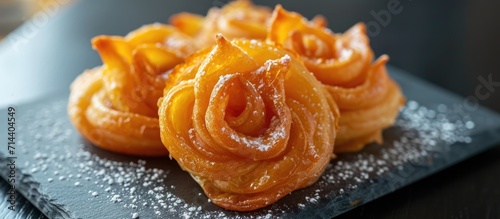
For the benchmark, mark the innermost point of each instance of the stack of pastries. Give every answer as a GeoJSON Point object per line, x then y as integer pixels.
{"type": "Point", "coordinates": [253, 103]}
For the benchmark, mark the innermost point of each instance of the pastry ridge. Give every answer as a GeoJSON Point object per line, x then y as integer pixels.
{"type": "Point", "coordinates": [289, 127]}
{"type": "Point", "coordinates": [114, 106]}
{"type": "Point", "coordinates": [368, 99]}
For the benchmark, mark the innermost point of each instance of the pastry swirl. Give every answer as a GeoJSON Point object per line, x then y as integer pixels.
{"type": "Point", "coordinates": [115, 105]}
{"type": "Point", "coordinates": [368, 99]}
{"type": "Point", "coordinates": [237, 19]}
{"type": "Point", "coordinates": [248, 122]}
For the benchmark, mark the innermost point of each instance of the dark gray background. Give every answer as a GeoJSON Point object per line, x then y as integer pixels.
{"type": "Point", "coordinates": [449, 43]}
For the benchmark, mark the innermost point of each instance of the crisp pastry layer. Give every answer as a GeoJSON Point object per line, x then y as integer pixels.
{"type": "Point", "coordinates": [249, 122]}
{"type": "Point", "coordinates": [237, 19]}
{"type": "Point", "coordinates": [115, 106]}
{"type": "Point", "coordinates": [368, 99]}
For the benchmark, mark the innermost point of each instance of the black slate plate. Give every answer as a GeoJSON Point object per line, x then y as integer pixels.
{"type": "Point", "coordinates": [66, 177]}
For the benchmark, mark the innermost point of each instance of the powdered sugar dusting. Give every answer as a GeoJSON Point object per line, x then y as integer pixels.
{"type": "Point", "coordinates": [51, 150]}
{"type": "Point", "coordinates": [424, 132]}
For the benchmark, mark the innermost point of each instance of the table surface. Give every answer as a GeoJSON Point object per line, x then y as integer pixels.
{"type": "Point", "coordinates": [444, 47]}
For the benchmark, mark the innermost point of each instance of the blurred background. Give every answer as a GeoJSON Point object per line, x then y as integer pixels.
{"type": "Point", "coordinates": [448, 43]}
{"type": "Point", "coordinates": [15, 12]}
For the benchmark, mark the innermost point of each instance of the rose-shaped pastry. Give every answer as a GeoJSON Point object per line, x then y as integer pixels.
{"type": "Point", "coordinates": [248, 122]}
{"type": "Point", "coordinates": [368, 99]}
{"type": "Point", "coordinates": [237, 19]}
{"type": "Point", "coordinates": [115, 106]}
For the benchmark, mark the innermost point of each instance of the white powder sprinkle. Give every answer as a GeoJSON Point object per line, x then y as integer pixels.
{"type": "Point", "coordinates": [135, 215]}
{"type": "Point", "coordinates": [116, 198]}
{"type": "Point", "coordinates": [140, 188]}
{"type": "Point", "coordinates": [422, 131]}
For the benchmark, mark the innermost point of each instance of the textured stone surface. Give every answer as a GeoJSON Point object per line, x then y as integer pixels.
{"type": "Point", "coordinates": [65, 176]}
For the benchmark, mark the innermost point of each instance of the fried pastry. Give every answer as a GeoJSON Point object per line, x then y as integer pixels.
{"type": "Point", "coordinates": [115, 105]}
{"type": "Point", "coordinates": [368, 99]}
{"type": "Point", "coordinates": [237, 19]}
{"type": "Point", "coordinates": [249, 122]}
